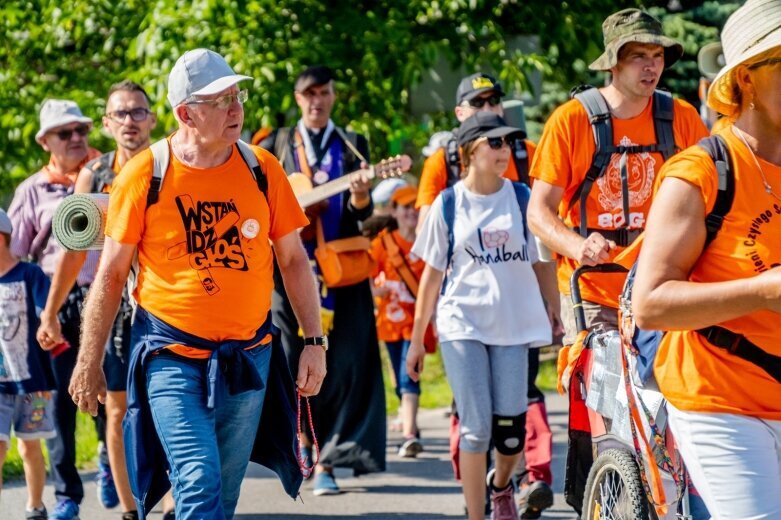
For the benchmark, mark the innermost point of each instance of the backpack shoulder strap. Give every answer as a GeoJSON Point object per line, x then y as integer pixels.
{"type": "Point", "coordinates": [252, 163]}
{"type": "Point", "coordinates": [663, 123]}
{"type": "Point", "coordinates": [449, 214]}
{"type": "Point", "coordinates": [521, 160]}
{"type": "Point", "coordinates": [282, 144]}
{"type": "Point", "coordinates": [102, 172]}
{"type": "Point", "coordinates": [717, 149]}
{"type": "Point", "coordinates": [161, 157]}
{"type": "Point", "coordinates": [452, 162]}
{"type": "Point", "coordinates": [602, 127]}
{"type": "Point", "coordinates": [523, 194]}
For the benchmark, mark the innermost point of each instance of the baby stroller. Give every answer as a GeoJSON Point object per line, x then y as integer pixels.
{"type": "Point", "coordinates": [636, 472]}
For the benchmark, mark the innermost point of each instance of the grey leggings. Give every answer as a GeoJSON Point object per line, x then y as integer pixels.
{"type": "Point", "coordinates": [486, 380]}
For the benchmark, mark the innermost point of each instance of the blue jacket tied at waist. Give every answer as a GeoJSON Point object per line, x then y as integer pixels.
{"type": "Point", "coordinates": [229, 369]}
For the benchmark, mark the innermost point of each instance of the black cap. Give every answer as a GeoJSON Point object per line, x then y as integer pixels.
{"type": "Point", "coordinates": [484, 124]}
{"type": "Point", "coordinates": [315, 75]}
{"type": "Point", "coordinates": [474, 85]}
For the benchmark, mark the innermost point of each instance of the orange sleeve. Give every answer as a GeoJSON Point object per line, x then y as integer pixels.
{"type": "Point", "coordinates": [286, 214]}
{"type": "Point", "coordinates": [687, 125]}
{"type": "Point", "coordinates": [552, 162]}
{"type": "Point", "coordinates": [433, 179]}
{"type": "Point", "coordinates": [127, 203]}
{"type": "Point", "coordinates": [377, 252]}
{"type": "Point", "coordinates": [694, 166]}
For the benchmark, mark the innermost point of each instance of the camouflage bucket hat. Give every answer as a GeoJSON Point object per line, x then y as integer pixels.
{"type": "Point", "coordinates": [634, 26]}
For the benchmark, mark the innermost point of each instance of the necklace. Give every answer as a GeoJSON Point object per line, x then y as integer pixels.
{"type": "Point", "coordinates": [768, 187]}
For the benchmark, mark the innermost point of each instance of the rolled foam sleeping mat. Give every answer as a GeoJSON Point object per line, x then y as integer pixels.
{"type": "Point", "coordinates": [80, 221]}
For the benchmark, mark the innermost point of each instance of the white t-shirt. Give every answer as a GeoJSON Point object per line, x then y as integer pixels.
{"type": "Point", "coordinates": [491, 292]}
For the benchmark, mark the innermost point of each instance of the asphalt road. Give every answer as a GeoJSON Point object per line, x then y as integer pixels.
{"type": "Point", "coordinates": [421, 488]}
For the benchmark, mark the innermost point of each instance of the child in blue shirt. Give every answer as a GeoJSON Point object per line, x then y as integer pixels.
{"type": "Point", "coordinates": [26, 377]}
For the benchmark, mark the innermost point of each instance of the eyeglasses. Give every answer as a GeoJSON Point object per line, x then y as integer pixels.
{"type": "Point", "coordinates": [222, 102]}
{"type": "Point", "coordinates": [480, 102]}
{"type": "Point", "coordinates": [137, 114]}
{"type": "Point", "coordinates": [769, 61]}
{"type": "Point", "coordinates": [65, 135]}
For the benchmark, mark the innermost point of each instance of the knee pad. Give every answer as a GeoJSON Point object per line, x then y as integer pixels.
{"type": "Point", "coordinates": [509, 433]}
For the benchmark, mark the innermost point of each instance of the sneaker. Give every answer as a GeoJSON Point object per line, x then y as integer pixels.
{"type": "Point", "coordinates": [66, 509]}
{"type": "Point", "coordinates": [170, 515]}
{"type": "Point", "coordinates": [325, 484]}
{"type": "Point", "coordinates": [502, 500]}
{"type": "Point", "coordinates": [107, 491]}
{"type": "Point", "coordinates": [36, 513]}
{"type": "Point", "coordinates": [410, 448]}
{"type": "Point", "coordinates": [535, 498]}
{"type": "Point", "coordinates": [130, 515]}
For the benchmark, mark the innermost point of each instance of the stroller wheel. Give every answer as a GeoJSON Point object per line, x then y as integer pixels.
{"type": "Point", "coordinates": [614, 490]}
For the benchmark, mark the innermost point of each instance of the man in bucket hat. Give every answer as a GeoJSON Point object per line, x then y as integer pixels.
{"type": "Point", "coordinates": [205, 358]}
{"type": "Point", "coordinates": [594, 171]}
{"type": "Point", "coordinates": [63, 132]}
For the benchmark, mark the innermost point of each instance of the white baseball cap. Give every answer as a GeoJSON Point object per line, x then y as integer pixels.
{"type": "Point", "coordinates": [382, 193]}
{"type": "Point", "coordinates": [5, 223]}
{"type": "Point", "coordinates": [200, 72]}
{"type": "Point", "coordinates": [59, 112]}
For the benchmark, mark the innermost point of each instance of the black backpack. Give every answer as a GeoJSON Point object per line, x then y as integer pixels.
{"type": "Point", "coordinates": [519, 154]}
{"type": "Point", "coordinates": [102, 172]}
{"type": "Point", "coordinates": [645, 342]}
{"type": "Point", "coordinates": [602, 125]}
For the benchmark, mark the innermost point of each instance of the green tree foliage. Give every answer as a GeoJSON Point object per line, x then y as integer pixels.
{"type": "Point", "coordinates": [380, 49]}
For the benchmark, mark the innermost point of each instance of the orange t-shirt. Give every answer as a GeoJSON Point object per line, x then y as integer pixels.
{"type": "Point", "coordinates": [395, 310]}
{"type": "Point", "coordinates": [204, 251]}
{"type": "Point", "coordinates": [433, 178]}
{"type": "Point", "coordinates": [691, 373]}
{"type": "Point", "coordinates": [563, 158]}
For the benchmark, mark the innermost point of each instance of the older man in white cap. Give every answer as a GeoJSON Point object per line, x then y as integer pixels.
{"type": "Point", "coordinates": [63, 133]}
{"type": "Point", "coordinates": [205, 357]}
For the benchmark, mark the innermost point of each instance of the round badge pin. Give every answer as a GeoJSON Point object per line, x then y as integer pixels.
{"type": "Point", "coordinates": [250, 228]}
{"type": "Point", "coordinates": [320, 177]}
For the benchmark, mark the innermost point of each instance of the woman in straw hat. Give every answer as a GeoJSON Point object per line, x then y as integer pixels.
{"type": "Point", "coordinates": [719, 364]}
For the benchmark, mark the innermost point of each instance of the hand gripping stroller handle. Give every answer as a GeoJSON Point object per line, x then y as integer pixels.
{"type": "Point", "coordinates": [574, 285]}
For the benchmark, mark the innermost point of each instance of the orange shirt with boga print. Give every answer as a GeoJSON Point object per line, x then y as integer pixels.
{"type": "Point", "coordinates": [564, 155]}
{"type": "Point", "coordinates": [433, 178]}
{"type": "Point", "coordinates": [396, 310]}
{"type": "Point", "coordinates": [692, 374]}
{"type": "Point", "coordinates": [205, 260]}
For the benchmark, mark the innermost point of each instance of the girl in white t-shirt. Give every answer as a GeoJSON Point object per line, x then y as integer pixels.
{"type": "Point", "coordinates": [489, 313]}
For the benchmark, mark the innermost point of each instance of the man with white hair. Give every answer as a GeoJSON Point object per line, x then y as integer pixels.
{"type": "Point", "coordinates": [202, 210]}
{"type": "Point", "coordinates": [63, 134]}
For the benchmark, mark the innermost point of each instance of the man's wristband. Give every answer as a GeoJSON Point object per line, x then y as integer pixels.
{"type": "Point", "coordinates": [317, 340]}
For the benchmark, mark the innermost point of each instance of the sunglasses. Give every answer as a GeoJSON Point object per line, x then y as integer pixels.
{"type": "Point", "coordinates": [222, 102]}
{"type": "Point", "coordinates": [137, 114]}
{"type": "Point", "coordinates": [480, 102]}
{"type": "Point", "coordinates": [496, 143]}
{"type": "Point", "coordinates": [65, 135]}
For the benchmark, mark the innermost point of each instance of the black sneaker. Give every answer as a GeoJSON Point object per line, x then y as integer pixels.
{"type": "Point", "coordinates": [130, 515]}
{"type": "Point", "coordinates": [535, 498]}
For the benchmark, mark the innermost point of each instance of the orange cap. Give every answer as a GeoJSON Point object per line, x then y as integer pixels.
{"type": "Point", "coordinates": [404, 196]}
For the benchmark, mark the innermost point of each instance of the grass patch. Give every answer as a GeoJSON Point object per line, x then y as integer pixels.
{"type": "Point", "coordinates": [86, 449]}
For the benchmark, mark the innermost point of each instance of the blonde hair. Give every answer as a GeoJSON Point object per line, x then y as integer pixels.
{"type": "Point", "coordinates": [731, 87]}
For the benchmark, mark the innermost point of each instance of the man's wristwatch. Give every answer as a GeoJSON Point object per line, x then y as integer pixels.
{"type": "Point", "coordinates": [317, 340]}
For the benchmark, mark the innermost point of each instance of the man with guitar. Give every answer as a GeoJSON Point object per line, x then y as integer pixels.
{"type": "Point", "coordinates": [349, 412]}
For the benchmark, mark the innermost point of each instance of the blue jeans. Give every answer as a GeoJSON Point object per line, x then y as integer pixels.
{"type": "Point", "coordinates": [397, 351]}
{"type": "Point", "coordinates": [207, 449]}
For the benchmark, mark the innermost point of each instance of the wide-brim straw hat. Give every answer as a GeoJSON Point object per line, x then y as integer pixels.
{"type": "Point", "coordinates": [634, 26]}
{"type": "Point", "coordinates": [752, 30]}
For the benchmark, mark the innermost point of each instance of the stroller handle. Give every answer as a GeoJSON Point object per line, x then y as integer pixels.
{"type": "Point", "coordinates": [574, 285]}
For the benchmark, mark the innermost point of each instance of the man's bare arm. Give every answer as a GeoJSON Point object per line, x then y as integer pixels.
{"type": "Point", "coordinates": [301, 289]}
{"type": "Point", "coordinates": [88, 383]}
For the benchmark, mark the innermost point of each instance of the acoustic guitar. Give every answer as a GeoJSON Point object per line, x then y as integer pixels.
{"type": "Point", "coordinates": [308, 194]}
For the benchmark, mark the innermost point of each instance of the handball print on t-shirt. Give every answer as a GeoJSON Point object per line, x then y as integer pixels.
{"type": "Point", "coordinates": [493, 244]}
{"type": "Point", "coordinates": [212, 239]}
{"type": "Point", "coordinates": [640, 174]}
